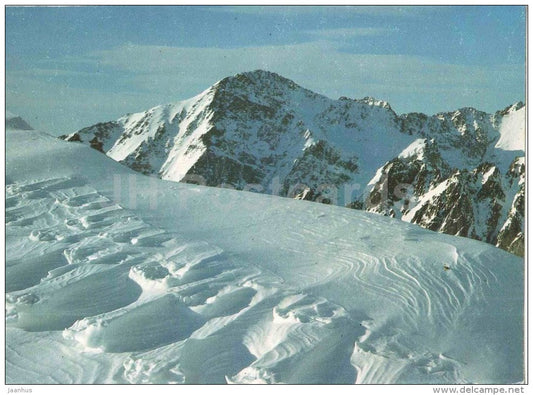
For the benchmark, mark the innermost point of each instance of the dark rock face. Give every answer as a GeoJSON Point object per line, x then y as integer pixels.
{"type": "Point", "coordinates": [511, 237]}
{"type": "Point", "coordinates": [260, 131]}
{"type": "Point", "coordinates": [221, 170]}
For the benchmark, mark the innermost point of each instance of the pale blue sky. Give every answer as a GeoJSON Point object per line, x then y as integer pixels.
{"type": "Point", "coordinates": [70, 67]}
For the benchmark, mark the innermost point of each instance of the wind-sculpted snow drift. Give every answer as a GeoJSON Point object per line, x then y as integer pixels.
{"type": "Point", "coordinates": [117, 277]}
{"type": "Point", "coordinates": [459, 172]}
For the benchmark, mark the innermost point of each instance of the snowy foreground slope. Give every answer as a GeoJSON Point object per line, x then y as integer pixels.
{"type": "Point", "coordinates": [116, 277]}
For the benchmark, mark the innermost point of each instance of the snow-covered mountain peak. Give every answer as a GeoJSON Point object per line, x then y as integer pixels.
{"type": "Point", "coordinates": [262, 87]}
{"type": "Point", "coordinates": [261, 131]}
{"type": "Point", "coordinates": [14, 121]}
{"type": "Point", "coordinates": [512, 108]}
{"type": "Point", "coordinates": [260, 77]}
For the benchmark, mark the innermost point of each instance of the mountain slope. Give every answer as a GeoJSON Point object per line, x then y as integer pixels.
{"type": "Point", "coordinates": [121, 278]}
{"type": "Point", "coordinates": [254, 128]}
{"type": "Point", "coordinates": [463, 182]}
{"type": "Point", "coordinates": [16, 122]}
{"type": "Point", "coordinates": [261, 132]}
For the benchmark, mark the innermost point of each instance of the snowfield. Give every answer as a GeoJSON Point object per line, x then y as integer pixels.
{"type": "Point", "coordinates": [513, 131]}
{"type": "Point", "coordinates": [117, 277]}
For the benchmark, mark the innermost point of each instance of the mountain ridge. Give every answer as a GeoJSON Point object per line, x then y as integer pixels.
{"type": "Point", "coordinates": [260, 131]}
